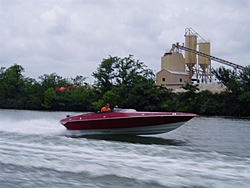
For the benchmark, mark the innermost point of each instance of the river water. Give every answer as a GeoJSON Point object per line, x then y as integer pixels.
{"type": "Point", "coordinates": [37, 151]}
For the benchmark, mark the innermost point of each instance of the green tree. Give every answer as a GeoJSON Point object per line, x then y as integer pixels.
{"type": "Point", "coordinates": [188, 101]}
{"type": "Point", "coordinates": [105, 74]}
{"type": "Point", "coordinates": [244, 79]}
{"type": "Point", "coordinates": [33, 95]}
{"type": "Point", "coordinates": [78, 80]}
{"type": "Point", "coordinates": [244, 96]}
{"type": "Point", "coordinates": [227, 77]}
{"type": "Point", "coordinates": [11, 86]}
{"type": "Point", "coordinates": [208, 103]}
{"type": "Point", "coordinates": [128, 69]}
{"type": "Point", "coordinates": [109, 97]}
{"type": "Point", "coordinates": [143, 94]}
{"type": "Point", "coordinates": [128, 78]}
{"type": "Point", "coordinates": [3, 85]}
{"type": "Point", "coordinates": [49, 97]}
{"type": "Point", "coordinates": [82, 98]}
{"type": "Point", "coordinates": [190, 88]}
{"type": "Point", "coordinates": [114, 72]}
{"type": "Point", "coordinates": [238, 90]}
{"type": "Point", "coordinates": [52, 81]}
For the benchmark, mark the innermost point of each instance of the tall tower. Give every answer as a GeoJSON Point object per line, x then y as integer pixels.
{"type": "Point", "coordinates": [190, 58]}
{"type": "Point", "coordinates": [204, 63]}
{"type": "Point", "coordinates": [200, 70]}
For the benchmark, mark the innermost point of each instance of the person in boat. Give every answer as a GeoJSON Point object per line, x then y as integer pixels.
{"type": "Point", "coordinates": [116, 107]}
{"type": "Point", "coordinates": [106, 108]}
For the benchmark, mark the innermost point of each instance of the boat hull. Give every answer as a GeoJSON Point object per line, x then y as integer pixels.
{"type": "Point", "coordinates": [144, 130]}
{"type": "Point", "coordinates": [135, 123]}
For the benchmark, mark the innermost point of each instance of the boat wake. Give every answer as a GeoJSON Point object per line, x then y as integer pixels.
{"type": "Point", "coordinates": [42, 126]}
{"type": "Point", "coordinates": [134, 139]}
{"type": "Point", "coordinates": [32, 126]}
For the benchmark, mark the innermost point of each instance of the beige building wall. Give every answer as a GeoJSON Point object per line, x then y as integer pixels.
{"type": "Point", "coordinates": [173, 61]}
{"type": "Point", "coordinates": [171, 79]}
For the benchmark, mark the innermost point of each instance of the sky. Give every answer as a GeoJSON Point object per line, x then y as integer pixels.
{"type": "Point", "coordinates": [72, 37]}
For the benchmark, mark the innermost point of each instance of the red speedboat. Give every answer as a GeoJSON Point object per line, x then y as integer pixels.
{"type": "Point", "coordinates": [127, 121]}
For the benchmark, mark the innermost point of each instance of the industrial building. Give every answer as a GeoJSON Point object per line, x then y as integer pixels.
{"type": "Point", "coordinates": [173, 72]}
{"type": "Point", "coordinates": [195, 67]}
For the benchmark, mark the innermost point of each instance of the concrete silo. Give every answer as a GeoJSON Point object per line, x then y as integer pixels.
{"type": "Point", "coordinates": [190, 58]}
{"type": "Point", "coordinates": [204, 62]}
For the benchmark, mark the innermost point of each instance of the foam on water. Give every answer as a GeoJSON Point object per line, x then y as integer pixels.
{"type": "Point", "coordinates": [32, 148]}
{"type": "Point", "coordinates": [27, 124]}
{"type": "Point", "coordinates": [178, 166]}
{"type": "Point", "coordinates": [38, 126]}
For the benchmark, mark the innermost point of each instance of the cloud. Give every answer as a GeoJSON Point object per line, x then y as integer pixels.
{"type": "Point", "coordinates": [71, 37]}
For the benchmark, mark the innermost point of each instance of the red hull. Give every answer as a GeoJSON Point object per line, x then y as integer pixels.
{"type": "Point", "coordinates": [130, 121]}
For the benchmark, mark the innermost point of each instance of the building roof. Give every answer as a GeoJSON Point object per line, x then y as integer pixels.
{"type": "Point", "coordinates": [173, 72]}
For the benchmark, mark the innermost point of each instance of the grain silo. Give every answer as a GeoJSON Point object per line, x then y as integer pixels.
{"type": "Point", "coordinates": [204, 62]}
{"type": "Point", "coordinates": [190, 58]}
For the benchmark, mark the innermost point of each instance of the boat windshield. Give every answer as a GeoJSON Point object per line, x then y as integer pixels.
{"type": "Point", "coordinates": [87, 113]}
{"type": "Point", "coordinates": [118, 110]}
{"type": "Point", "coordinates": [124, 110]}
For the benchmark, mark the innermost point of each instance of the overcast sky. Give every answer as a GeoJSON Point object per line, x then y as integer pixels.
{"type": "Point", "coordinates": [72, 37]}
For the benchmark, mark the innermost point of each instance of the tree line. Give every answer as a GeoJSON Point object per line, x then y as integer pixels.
{"type": "Point", "coordinates": [125, 82]}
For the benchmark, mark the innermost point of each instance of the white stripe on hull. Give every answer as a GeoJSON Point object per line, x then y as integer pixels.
{"type": "Point", "coordinates": [145, 130]}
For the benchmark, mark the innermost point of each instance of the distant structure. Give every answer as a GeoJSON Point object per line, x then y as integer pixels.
{"type": "Point", "coordinates": [176, 70]}
{"type": "Point", "coordinates": [172, 73]}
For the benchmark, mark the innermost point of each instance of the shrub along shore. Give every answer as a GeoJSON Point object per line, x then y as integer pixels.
{"type": "Point", "coordinates": [125, 82]}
